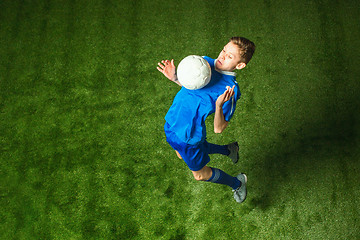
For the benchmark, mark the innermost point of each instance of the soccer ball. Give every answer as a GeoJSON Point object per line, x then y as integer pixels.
{"type": "Point", "coordinates": [194, 72]}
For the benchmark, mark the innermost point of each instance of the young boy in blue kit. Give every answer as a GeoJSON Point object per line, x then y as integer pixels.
{"type": "Point", "coordinates": [185, 128]}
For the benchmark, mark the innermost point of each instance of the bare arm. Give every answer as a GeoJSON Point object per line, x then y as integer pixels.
{"type": "Point", "coordinates": [219, 120]}
{"type": "Point", "coordinates": [168, 68]}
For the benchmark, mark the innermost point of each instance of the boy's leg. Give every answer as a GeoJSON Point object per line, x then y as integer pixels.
{"type": "Point", "coordinates": [221, 177]}
{"type": "Point", "coordinates": [216, 176]}
{"type": "Point", "coordinates": [238, 183]}
{"type": "Point", "coordinates": [231, 150]}
{"type": "Point", "coordinates": [178, 154]}
{"type": "Point", "coordinates": [219, 149]}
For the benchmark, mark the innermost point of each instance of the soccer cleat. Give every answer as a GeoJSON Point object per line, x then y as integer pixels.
{"type": "Point", "coordinates": [234, 152]}
{"type": "Point", "coordinates": [241, 192]}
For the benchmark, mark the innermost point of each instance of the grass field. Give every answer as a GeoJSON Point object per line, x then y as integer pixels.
{"type": "Point", "coordinates": [82, 149]}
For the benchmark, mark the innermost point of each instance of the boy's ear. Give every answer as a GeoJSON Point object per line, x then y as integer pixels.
{"type": "Point", "coordinates": [240, 66]}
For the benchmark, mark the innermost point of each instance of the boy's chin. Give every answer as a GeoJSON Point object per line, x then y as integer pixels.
{"type": "Point", "coordinates": [219, 66]}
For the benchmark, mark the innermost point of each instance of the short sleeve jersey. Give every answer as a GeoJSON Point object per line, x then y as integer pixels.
{"type": "Point", "coordinates": [186, 116]}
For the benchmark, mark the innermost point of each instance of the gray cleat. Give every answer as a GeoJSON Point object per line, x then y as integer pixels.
{"type": "Point", "coordinates": [234, 152]}
{"type": "Point", "coordinates": [241, 192]}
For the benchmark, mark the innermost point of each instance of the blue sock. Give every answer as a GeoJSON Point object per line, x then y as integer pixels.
{"type": "Point", "coordinates": [218, 176]}
{"type": "Point", "coordinates": [220, 149]}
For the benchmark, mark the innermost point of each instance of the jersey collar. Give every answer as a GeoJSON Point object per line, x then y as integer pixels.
{"type": "Point", "coordinates": [224, 72]}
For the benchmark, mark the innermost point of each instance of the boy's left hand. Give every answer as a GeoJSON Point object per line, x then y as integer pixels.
{"type": "Point", "coordinates": [229, 92]}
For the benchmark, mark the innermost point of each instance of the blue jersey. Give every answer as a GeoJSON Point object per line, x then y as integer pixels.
{"type": "Point", "coordinates": [186, 116]}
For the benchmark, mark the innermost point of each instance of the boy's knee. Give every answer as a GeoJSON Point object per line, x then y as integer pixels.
{"type": "Point", "coordinates": [203, 175]}
{"type": "Point", "coordinates": [200, 176]}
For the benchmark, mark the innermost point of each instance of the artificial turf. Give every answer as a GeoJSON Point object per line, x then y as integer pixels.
{"type": "Point", "coordinates": [83, 153]}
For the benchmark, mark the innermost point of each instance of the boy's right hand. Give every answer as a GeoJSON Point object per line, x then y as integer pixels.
{"type": "Point", "coordinates": [229, 92]}
{"type": "Point", "coordinates": [168, 69]}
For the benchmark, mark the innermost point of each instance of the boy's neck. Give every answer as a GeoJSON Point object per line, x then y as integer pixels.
{"type": "Point", "coordinates": [231, 73]}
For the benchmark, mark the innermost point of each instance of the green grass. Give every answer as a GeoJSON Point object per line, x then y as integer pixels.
{"type": "Point", "coordinates": [82, 149]}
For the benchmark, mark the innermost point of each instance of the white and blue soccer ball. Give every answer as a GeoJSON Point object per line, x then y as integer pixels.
{"type": "Point", "coordinates": [194, 72]}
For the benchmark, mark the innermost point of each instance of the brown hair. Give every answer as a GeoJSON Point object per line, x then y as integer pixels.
{"type": "Point", "coordinates": [246, 47]}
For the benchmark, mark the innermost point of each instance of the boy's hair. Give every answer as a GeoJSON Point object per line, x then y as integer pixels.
{"type": "Point", "coordinates": [246, 47]}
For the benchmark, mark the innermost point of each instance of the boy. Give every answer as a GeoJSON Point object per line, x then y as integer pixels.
{"type": "Point", "coordinates": [185, 121]}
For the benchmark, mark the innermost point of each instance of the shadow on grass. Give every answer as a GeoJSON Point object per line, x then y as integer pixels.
{"type": "Point", "coordinates": [325, 138]}
{"type": "Point", "coordinates": [326, 141]}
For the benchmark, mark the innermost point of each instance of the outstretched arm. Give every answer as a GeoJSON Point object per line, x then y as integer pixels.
{"type": "Point", "coordinates": [167, 68]}
{"type": "Point", "coordinates": [219, 120]}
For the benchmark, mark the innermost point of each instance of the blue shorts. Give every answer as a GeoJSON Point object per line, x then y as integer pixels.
{"type": "Point", "coordinates": [195, 156]}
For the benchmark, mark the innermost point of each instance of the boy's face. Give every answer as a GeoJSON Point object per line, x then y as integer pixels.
{"type": "Point", "coordinates": [229, 58]}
